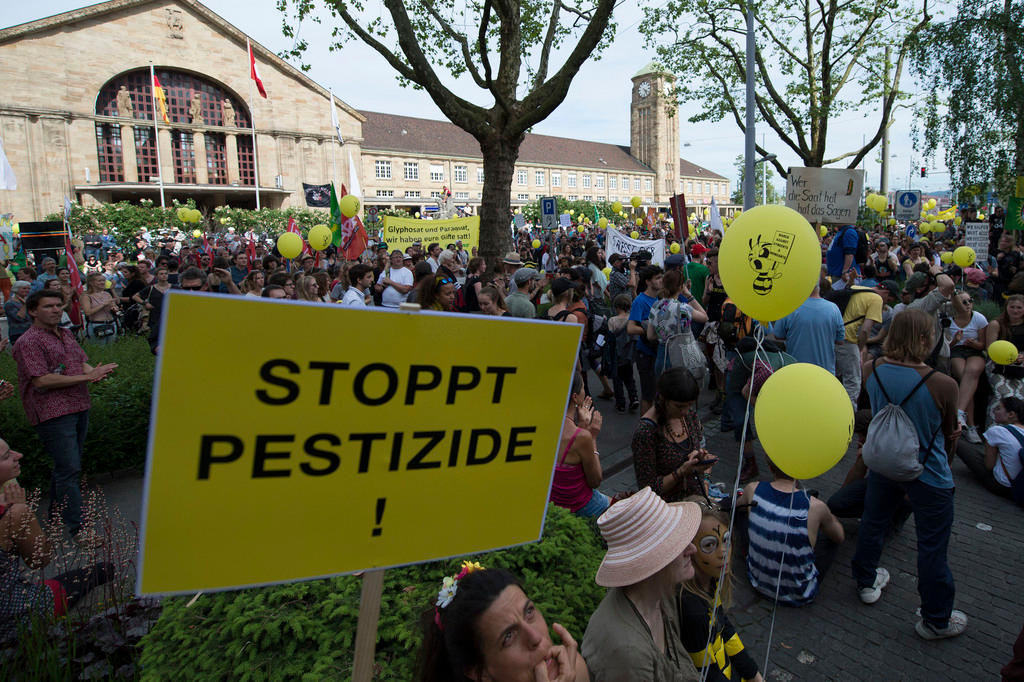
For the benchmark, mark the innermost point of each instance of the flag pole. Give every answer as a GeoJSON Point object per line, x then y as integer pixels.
{"type": "Point", "coordinates": [252, 120]}
{"type": "Point", "coordinates": [156, 133]}
{"type": "Point", "coordinates": [334, 149]}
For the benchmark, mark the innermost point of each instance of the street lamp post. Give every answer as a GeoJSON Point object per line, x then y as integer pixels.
{"type": "Point", "coordinates": [764, 185]}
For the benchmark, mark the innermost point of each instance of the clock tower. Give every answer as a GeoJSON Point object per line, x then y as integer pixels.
{"type": "Point", "coordinates": [654, 129]}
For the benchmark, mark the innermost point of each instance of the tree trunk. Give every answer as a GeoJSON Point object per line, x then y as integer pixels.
{"type": "Point", "coordinates": [500, 154]}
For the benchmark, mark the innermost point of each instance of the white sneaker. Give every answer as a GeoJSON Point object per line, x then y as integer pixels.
{"type": "Point", "coordinates": [869, 595]}
{"type": "Point", "coordinates": [971, 435]}
{"type": "Point", "coordinates": [956, 626]}
{"type": "Point", "coordinates": [961, 418]}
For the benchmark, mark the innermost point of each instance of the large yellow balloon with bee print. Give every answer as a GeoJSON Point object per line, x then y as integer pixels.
{"type": "Point", "coordinates": [770, 260]}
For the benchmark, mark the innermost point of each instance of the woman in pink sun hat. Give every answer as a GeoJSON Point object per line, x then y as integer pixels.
{"type": "Point", "coordinates": [634, 633]}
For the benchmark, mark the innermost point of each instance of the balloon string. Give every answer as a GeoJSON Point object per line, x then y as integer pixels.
{"type": "Point", "coordinates": [705, 667]}
{"type": "Point", "coordinates": [778, 582]}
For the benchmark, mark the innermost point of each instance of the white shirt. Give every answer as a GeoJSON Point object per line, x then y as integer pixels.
{"type": "Point", "coordinates": [391, 298]}
{"type": "Point", "coordinates": [999, 436]}
{"type": "Point", "coordinates": [354, 298]}
{"type": "Point", "coordinates": [971, 329]}
{"type": "Point", "coordinates": [434, 264]}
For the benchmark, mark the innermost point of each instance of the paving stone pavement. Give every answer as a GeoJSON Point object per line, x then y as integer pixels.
{"type": "Point", "coordinates": [839, 638]}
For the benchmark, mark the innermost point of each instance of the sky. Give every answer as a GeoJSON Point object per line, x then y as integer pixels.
{"type": "Point", "coordinates": [597, 106]}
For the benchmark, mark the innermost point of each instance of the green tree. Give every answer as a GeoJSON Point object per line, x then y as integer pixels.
{"type": "Point", "coordinates": [815, 60]}
{"type": "Point", "coordinates": [975, 59]}
{"type": "Point", "coordinates": [504, 46]}
{"type": "Point", "coordinates": [773, 196]}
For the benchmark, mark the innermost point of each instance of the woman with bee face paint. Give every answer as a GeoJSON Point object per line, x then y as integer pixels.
{"type": "Point", "coordinates": [701, 602]}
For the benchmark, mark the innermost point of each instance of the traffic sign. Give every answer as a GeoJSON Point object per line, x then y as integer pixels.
{"type": "Point", "coordinates": [908, 204]}
{"type": "Point", "coordinates": [548, 211]}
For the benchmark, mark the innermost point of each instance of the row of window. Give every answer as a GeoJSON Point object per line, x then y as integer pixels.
{"type": "Point", "coordinates": [111, 159]}
{"type": "Point", "coordinates": [415, 194]}
{"type": "Point", "coordinates": [715, 188]}
{"type": "Point", "coordinates": [382, 170]}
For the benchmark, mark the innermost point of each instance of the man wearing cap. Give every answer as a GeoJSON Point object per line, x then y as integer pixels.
{"type": "Point", "coordinates": [885, 262]}
{"type": "Point", "coordinates": [812, 331]}
{"type": "Point", "coordinates": [395, 282]}
{"type": "Point", "coordinates": [512, 262]}
{"type": "Point", "coordinates": [634, 633]}
{"type": "Point", "coordinates": [520, 301]}
{"type": "Point", "coordinates": [623, 276]}
{"type": "Point", "coordinates": [697, 271]}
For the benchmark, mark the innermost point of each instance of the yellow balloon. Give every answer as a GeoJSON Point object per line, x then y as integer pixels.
{"type": "Point", "coordinates": [634, 234]}
{"type": "Point", "coordinates": [196, 215]}
{"type": "Point", "coordinates": [674, 248]}
{"type": "Point", "coordinates": [1002, 352]}
{"type": "Point", "coordinates": [981, 216]}
{"type": "Point", "coordinates": [964, 256]}
{"type": "Point", "coordinates": [572, 211]}
{"type": "Point", "coordinates": [108, 284]}
{"type": "Point", "coordinates": [16, 229]}
{"type": "Point", "coordinates": [536, 243]}
{"type": "Point", "coordinates": [924, 228]}
{"type": "Point", "coordinates": [616, 207]}
{"type": "Point", "coordinates": [930, 204]}
{"type": "Point", "coordinates": [197, 234]}
{"type": "Point", "coordinates": [791, 398]}
{"type": "Point", "coordinates": [769, 261]}
{"type": "Point", "coordinates": [183, 214]}
{"type": "Point", "coordinates": [417, 215]}
{"type": "Point", "coordinates": [957, 220]}
{"type": "Point", "coordinates": [320, 237]}
{"type": "Point", "coordinates": [636, 201]}
{"type": "Point", "coordinates": [289, 244]}
{"type": "Point", "coordinates": [822, 231]}
{"type": "Point", "coordinates": [582, 228]}
{"type": "Point", "coordinates": [349, 205]}
{"type": "Point", "coordinates": [946, 257]}
{"type": "Point", "coordinates": [607, 271]}
{"type": "Point", "coordinates": [892, 221]}
{"type": "Point", "coordinates": [602, 222]}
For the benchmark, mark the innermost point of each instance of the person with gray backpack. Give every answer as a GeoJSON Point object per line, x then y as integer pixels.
{"type": "Point", "coordinates": [910, 443]}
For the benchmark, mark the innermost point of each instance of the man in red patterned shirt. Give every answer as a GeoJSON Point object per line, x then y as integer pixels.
{"type": "Point", "coordinates": [53, 378]}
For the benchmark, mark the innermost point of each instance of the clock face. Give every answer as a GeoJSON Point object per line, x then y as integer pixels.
{"type": "Point", "coordinates": [644, 89]}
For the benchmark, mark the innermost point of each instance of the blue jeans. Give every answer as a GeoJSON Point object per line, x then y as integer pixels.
{"type": "Point", "coordinates": [64, 438]}
{"type": "Point", "coordinates": [933, 516]}
{"type": "Point", "coordinates": [599, 502]}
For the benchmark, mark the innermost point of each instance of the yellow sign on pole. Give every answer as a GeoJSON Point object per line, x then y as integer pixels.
{"type": "Point", "coordinates": [400, 233]}
{"type": "Point", "coordinates": [293, 441]}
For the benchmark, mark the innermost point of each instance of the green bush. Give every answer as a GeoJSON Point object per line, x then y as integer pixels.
{"type": "Point", "coordinates": [307, 630]}
{"type": "Point", "coordinates": [118, 419]}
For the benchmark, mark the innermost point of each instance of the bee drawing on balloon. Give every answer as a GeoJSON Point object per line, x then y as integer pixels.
{"type": "Point", "coordinates": [767, 254]}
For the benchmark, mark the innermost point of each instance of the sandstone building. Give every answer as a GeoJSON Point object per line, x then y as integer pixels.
{"type": "Point", "coordinates": [83, 126]}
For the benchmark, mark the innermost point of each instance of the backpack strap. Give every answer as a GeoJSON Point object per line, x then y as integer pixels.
{"type": "Point", "coordinates": [1020, 453]}
{"type": "Point", "coordinates": [919, 385]}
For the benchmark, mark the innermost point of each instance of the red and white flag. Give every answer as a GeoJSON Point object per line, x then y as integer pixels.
{"type": "Point", "coordinates": [294, 227]}
{"type": "Point", "coordinates": [253, 71]}
{"type": "Point", "coordinates": [75, 312]}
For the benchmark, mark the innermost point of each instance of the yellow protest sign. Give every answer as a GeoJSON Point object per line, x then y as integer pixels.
{"type": "Point", "coordinates": [400, 233]}
{"type": "Point", "coordinates": [295, 440]}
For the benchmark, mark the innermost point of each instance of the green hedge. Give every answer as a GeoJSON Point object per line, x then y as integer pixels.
{"type": "Point", "coordinates": [118, 419]}
{"type": "Point", "coordinates": [307, 630]}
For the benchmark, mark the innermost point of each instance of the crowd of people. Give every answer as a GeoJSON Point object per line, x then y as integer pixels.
{"type": "Point", "coordinates": [890, 317]}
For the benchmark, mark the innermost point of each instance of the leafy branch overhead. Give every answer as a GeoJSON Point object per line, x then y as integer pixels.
{"type": "Point", "coordinates": [507, 49]}
{"type": "Point", "coordinates": [815, 61]}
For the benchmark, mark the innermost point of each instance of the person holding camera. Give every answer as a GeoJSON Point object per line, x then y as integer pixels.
{"type": "Point", "coordinates": [623, 276]}
{"type": "Point", "coordinates": [932, 289]}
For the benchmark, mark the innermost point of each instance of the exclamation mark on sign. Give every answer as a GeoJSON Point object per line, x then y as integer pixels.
{"type": "Point", "coordinates": [380, 515]}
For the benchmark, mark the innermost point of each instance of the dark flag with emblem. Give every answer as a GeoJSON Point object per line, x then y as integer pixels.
{"type": "Point", "coordinates": [317, 195]}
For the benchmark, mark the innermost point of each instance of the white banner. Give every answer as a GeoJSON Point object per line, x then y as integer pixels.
{"type": "Point", "coordinates": [616, 242]}
{"type": "Point", "coordinates": [7, 236]}
{"type": "Point", "coordinates": [976, 237]}
{"type": "Point", "coordinates": [825, 195]}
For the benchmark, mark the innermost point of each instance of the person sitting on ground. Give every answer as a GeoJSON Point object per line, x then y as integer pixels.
{"type": "Point", "coordinates": [1001, 463]}
{"type": "Point", "coordinates": [1006, 381]}
{"type": "Point", "coordinates": [634, 633]}
{"type": "Point", "coordinates": [668, 452]}
{"type": "Point", "coordinates": [578, 469]}
{"type": "Point", "coordinates": [967, 358]}
{"type": "Point", "coordinates": [485, 627]}
{"type": "Point", "coordinates": [793, 568]}
{"type": "Point", "coordinates": [707, 635]}
{"type": "Point", "coordinates": [22, 539]}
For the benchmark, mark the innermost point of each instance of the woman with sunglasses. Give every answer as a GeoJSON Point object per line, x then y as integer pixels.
{"type": "Point", "coordinates": [437, 292]}
{"type": "Point", "coordinates": [967, 358]}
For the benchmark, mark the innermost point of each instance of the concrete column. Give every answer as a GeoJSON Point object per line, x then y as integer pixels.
{"type": "Point", "coordinates": [202, 172]}
{"type": "Point", "coordinates": [166, 156]}
{"type": "Point", "coordinates": [128, 154]}
{"type": "Point", "coordinates": [231, 149]}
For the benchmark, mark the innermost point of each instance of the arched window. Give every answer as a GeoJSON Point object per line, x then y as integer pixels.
{"type": "Point", "coordinates": [216, 108]}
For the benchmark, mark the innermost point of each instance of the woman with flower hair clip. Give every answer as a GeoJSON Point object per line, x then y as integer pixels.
{"type": "Point", "coordinates": [483, 627]}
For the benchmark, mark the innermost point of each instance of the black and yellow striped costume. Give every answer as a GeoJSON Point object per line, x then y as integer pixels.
{"type": "Point", "coordinates": [725, 656]}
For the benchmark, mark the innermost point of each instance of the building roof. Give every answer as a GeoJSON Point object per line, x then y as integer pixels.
{"type": "Point", "coordinates": [651, 68]}
{"type": "Point", "coordinates": [389, 132]}
{"type": "Point", "coordinates": [93, 12]}
{"type": "Point", "coordinates": [692, 170]}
